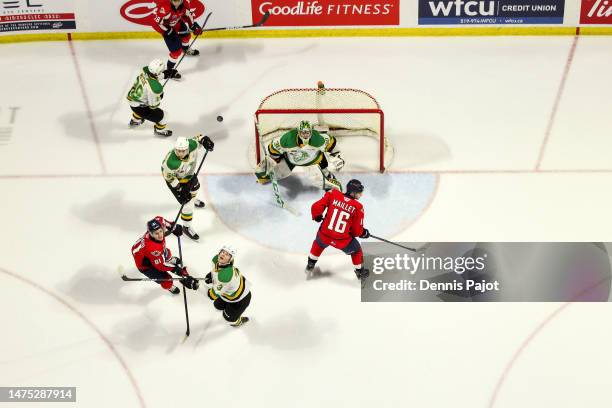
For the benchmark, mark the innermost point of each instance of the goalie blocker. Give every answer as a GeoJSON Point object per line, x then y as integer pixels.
{"type": "Point", "coordinates": [302, 146]}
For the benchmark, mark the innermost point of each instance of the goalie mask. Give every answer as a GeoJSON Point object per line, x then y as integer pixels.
{"type": "Point", "coordinates": [305, 130]}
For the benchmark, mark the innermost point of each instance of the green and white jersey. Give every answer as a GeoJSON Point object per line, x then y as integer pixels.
{"type": "Point", "coordinates": [298, 153]}
{"type": "Point", "coordinates": [146, 91]}
{"type": "Point", "coordinates": [177, 170]}
{"type": "Point", "coordinates": [227, 282]}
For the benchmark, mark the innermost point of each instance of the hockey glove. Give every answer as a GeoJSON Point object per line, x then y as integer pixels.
{"type": "Point", "coordinates": [180, 270]}
{"type": "Point", "coordinates": [175, 261]}
{"type": "Point", "coordinates": [177, 230]}
{"type": "Point", "coordinates": [196, 29]}
{"type": "Point", "coordinates": [208, 279]}
{"type": "Point", "coordinates": [318, 218]}
{"type": "Point", "coordinates": [184, 194]}
{"type": "Point", "coordinates": [365, 234]}
{"type": "Point", "coordinates": [194, 184]}
{"type": "Point", "coordinates": [190, 282]}
{"type": "Point", "coordinates": [207, 143]}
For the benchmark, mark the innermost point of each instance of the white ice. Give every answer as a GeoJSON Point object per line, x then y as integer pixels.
{"type": "Point", "coordinates": [473, 161]}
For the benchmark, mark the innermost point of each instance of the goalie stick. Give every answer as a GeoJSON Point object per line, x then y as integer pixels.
{"type": "Point", "coordinates": [277, 195]}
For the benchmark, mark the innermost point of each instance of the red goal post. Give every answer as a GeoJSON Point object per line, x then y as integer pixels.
{"type": "Point", "coordinates": [342, 112]}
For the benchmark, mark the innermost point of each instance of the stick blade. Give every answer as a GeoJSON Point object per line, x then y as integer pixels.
{"type": "Point", "coordinates": [263, 20]}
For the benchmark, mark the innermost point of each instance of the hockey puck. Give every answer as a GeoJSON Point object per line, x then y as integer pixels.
{"type": "Point", "coordinates": [219, 118]}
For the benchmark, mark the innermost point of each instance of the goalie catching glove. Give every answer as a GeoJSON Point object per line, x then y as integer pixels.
{"type": "Point", "coordinates": [335, 160]}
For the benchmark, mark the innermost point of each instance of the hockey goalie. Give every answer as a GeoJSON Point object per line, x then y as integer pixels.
{"type": "Point", "coordinates": [301, 146]}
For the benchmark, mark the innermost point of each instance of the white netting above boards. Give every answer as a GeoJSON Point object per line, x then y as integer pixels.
{"type": "Point", "coordinates": [342, 112]}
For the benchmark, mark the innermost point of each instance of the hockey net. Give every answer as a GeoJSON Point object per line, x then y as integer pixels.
{"type": "Point", "coordinates": [343, 113]}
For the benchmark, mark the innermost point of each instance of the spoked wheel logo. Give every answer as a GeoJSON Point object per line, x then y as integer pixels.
{"type": "Point", "coordinates": [141, 11]}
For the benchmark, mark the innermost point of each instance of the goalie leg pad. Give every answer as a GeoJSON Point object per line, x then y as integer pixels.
{"type": "Point", "coordinates": [331, 183]}
{"type": "Point", "coordinates": [282, 170]}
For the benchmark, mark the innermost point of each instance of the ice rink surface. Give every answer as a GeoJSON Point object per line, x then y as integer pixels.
{"type": "Point", "coordinates": [495, 138]}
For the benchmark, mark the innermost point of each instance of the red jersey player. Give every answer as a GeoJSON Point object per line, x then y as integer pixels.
{"type": "Point", "coordinates": [342, 223]}
{"type": "Point", "coordinates": [154, 260]}
{"type": "Point", "coordinates": [174, 20]}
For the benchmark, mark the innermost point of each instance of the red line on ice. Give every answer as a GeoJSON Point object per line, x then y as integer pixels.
{"type": "Point", "coordinates": [92, 124]}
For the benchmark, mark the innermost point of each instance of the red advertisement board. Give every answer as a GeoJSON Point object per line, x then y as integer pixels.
{"type": "Point", "coordinates": [596, 12]}
{"type": "Point", "coordinates": [327, 12]}
{"type": "Point", "coordinates": [141, 11]}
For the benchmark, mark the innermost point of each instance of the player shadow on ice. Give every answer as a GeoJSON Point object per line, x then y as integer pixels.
{"type": "Point", "coordinates": [113, 210]}
{"type": "Point", "coordinates": [101, 285]}
{"type": "Point", "coordinates": [293, 186]}
{"type": "Point", "coordinates": [206, 124]}
{"type": "Point", "coordinates": [290, 331]}
{"type": "Point", "coordinates": [112, 127]}
{"type": "Point", "coordinates": [215, 55]}
{"type": "Point", "coordinates": [283, 271]}
{"type": "Point", "coordinates": [143, 331]}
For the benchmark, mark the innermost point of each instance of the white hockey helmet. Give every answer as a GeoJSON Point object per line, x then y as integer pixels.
{"type": "Point", "coordinates": [156, 67]}
{"type": "Point", "coordinates": [181, 143]}
{"type": "Point", "coordinates": [229, 249]}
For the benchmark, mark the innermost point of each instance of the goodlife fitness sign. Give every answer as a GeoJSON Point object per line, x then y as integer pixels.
{"type": "Point", "coordinates": [327, 12]}
{"type": "Point", "coordinates": [596, 12]}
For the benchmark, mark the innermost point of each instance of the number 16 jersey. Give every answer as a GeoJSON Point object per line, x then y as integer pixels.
{"type": "Point", "coordinates": [344, 217]}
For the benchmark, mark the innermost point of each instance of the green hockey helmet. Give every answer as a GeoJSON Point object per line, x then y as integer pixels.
{"type": "Point", "coordinates": [305, 130]}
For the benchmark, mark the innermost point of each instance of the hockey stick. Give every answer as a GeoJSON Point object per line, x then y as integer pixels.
{"type": "Point", "coordinates": [189, 47]}
{"type": "Point", "coordinates": [184, 289]}
{"type": "Point", "coordinates": [195, 175]}
{"type": "Point", "coordinates": [126, 278]}
{"type": "Point", "coordinates": [261, 22]}
{"type": "Point", "coordinates": [395, 243]}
